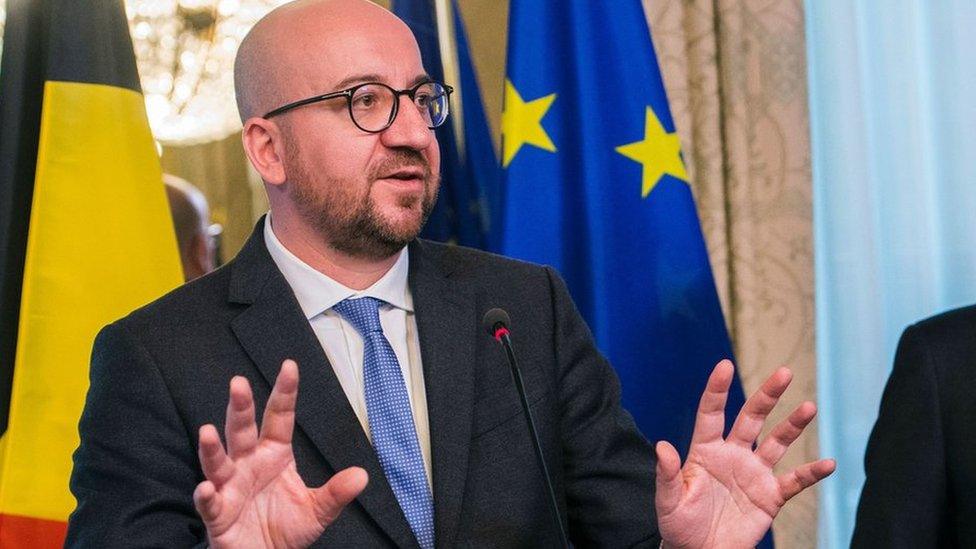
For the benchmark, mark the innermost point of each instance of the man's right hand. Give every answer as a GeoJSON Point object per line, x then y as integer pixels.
{"type": "Point", "coordinates": [253, 495]}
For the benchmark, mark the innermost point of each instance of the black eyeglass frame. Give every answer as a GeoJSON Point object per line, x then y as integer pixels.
{"type": "Point", "coordinates": [349, 92]}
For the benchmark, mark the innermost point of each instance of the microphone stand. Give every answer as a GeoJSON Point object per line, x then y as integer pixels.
{"type": "Point", "coordinates": [501, 334]}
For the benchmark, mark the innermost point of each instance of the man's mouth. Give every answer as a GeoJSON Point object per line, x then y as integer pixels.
{"type": "Point", "coordinates": [408, 177]}
{"type": "Point", "coordinates": [406, 174]}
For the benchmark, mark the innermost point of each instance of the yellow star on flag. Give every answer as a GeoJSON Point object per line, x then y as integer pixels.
{"type": "Point", "coordinates": [522, 123]}
{"type": "Point", "coordinates": [659, 153]}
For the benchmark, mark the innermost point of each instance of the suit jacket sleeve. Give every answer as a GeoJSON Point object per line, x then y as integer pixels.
{"type": "Point", "coordinates": [135, 470]}
{"type": "Point", "coordinates": [904, 498]}
{"type": "Point", "coordinates": [608, 464]}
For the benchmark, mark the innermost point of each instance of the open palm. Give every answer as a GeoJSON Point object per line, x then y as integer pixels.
{"type": "Point", "coordinates": [726, 494]}
{"type": "Point", "coordinates": [253, 495]}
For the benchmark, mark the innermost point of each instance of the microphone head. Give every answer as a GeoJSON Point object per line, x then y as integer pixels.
{"type": "Point", "coordinates": [494, 319]}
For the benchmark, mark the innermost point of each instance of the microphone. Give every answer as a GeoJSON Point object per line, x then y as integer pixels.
{"type": "Point", "coordinates": [496, 322]}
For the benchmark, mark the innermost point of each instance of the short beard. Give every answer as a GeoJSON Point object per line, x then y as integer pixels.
{"type": "Point", "coordinates": [352, 225]}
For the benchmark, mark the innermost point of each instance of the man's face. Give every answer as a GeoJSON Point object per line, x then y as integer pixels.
{"type": "Point", "coordinates": [365, 194]}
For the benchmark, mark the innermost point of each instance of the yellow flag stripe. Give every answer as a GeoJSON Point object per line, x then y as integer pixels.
{"type": "Point", "coordinates": [100, 244]}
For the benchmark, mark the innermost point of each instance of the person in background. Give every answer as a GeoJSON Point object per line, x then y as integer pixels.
{"type": "Point", "coordinates": [920, 459]}
{"type": "Point", "coordinates": [191, 218]}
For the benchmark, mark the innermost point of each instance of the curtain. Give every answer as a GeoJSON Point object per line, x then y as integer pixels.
{"type": "Point", "coordinates": [735, 71]}
{"type": "Point", "coordinates": [895, 205]}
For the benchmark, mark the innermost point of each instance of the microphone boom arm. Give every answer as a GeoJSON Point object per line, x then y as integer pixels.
{"type": "Point", "coordinates": [496, 321]}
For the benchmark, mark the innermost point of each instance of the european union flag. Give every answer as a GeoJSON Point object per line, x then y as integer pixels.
{"type": "Point", "coordinates": [595, 185]}
{"type": "Point", "coordinates": [468, 204]}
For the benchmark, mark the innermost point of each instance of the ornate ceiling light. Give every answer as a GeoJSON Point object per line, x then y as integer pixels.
{"type": "Point", "coordinates": [185, 53]}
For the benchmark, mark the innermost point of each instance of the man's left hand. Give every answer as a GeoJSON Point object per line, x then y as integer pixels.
{"type": "Point", "coordinates": [727, 495]}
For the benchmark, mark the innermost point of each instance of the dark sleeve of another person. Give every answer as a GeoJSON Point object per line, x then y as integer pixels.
{"type": "Point", "coordinates": [135, 470]}
{"type": "Point", "coordinates": [903, 503]}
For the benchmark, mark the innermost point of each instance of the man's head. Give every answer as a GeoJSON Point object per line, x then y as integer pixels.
{"type": "Point", "coordinates": [362, 194]}
{"type": "Point", "coordinates": [191, 218]}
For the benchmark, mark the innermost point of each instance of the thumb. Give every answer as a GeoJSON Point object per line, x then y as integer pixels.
{"type": "Point", "coordinates": [670, 486]}
{"type": "Point", "coordinates": [333, 496]}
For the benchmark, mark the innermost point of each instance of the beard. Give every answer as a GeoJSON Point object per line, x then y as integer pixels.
{"type": "Point", "coordinates": [352, 223]}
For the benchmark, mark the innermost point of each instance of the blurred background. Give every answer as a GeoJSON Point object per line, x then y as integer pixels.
{"type": "Point", "coordinates": [830, 150]}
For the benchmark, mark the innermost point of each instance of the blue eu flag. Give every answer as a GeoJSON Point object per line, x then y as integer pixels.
{"type": "Point", "coordinates": [467, 208]}
{"type": "Point", "coordinates": [595, 185]}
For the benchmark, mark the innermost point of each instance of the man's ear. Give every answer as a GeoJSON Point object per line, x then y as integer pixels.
{"type": "Point", "coordinates": [263, 145]}
{"type": "Point", "coordinates": [200, 260]}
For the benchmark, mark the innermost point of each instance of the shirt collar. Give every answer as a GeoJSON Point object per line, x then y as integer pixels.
{"type": "Point", "coordinates": [317, 293]}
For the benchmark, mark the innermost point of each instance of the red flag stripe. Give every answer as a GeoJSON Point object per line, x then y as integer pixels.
{"type": "Point", "coordinates": [25, 532]}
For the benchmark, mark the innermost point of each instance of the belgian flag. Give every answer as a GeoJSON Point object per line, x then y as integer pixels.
{"type": "Point", "coordinates": [85, 237]}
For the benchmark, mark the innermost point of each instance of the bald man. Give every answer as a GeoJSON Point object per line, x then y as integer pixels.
{"type": "Point", "coordinates": [191, 219]}
{"type": "Point", "coordinates": [407, 431]}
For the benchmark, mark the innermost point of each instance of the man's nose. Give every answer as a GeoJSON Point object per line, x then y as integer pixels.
{"type": "Point", "coordinates": [409, 129]}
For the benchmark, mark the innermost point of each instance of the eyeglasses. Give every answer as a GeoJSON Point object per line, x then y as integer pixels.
{"type": "Point", "coordinates": [373, 106]}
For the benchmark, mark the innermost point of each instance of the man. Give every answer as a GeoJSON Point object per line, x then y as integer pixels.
{"type": "Point", "coordinates": [920, 457]}
{"type": "Point", "coordinates": [406, 418]}
{"type": "Point", "coordinates": [191, 219]}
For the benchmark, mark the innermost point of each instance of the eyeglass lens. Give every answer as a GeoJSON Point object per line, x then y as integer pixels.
{"type": "Point", "coordinates": [372, 105]}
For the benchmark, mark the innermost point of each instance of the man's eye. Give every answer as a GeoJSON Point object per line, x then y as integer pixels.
{"type": "Point", "coordinates": [364, 101]}
{"type": "Point", "coordinates": [423, 99]}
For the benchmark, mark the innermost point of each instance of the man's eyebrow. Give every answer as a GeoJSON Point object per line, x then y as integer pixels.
{"type": "Point", "coordinates": [361, 78]}
{"type": "Point", "coordinates": [420, 79]}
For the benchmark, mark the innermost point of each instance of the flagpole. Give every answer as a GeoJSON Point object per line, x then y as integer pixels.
{"type": "Point", "coordinates": [447, 42]}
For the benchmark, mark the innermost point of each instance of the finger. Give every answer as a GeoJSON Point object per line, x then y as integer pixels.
{"type": "Point", "coordinates": [279, 415]}
{"type": "Point", "coordinates": [710, 421]}
{"type": "Point", "coordinates": [217, 467]}
{"type": "Point", "coordinates": [207, 501]}
{"type": "Point", "coordinates": [804, 476]}
{"type": "Point", "coordinates": [241, 430]}
{"type": "Point", "coordinates": [749, 423]}
{"type": "Point", "coordinates": [331, 498]}
{"type": "Point", "coordinates": [785, 433]}
{"type": "Point", "coordinates": [669, 486]}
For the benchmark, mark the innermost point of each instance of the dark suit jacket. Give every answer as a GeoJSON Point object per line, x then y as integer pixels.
{"type": "Point", "coordinates": [163, 371]}
{"type": "Point", "coordinates": [921, 458]}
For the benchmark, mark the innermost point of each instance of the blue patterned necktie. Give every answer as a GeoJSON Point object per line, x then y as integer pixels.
{"type": "Point", "coordinates": [391, 419]}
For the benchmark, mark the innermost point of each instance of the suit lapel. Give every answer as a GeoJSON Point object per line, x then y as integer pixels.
{"type": "Point", "coordinates": [447, 323]}
{"type": "Point", "coordinates": [274, 328]}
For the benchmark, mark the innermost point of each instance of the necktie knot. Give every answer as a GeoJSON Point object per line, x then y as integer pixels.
{"type": "Point", "coordinates": [362, 312]}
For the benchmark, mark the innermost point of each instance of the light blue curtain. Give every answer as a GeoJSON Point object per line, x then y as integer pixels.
{"type": "Point", "coordinates": [893, 121]}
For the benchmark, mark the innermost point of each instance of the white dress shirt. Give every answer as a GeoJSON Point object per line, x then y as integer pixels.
{"type": "Point", "coordinates": [341, 342]}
